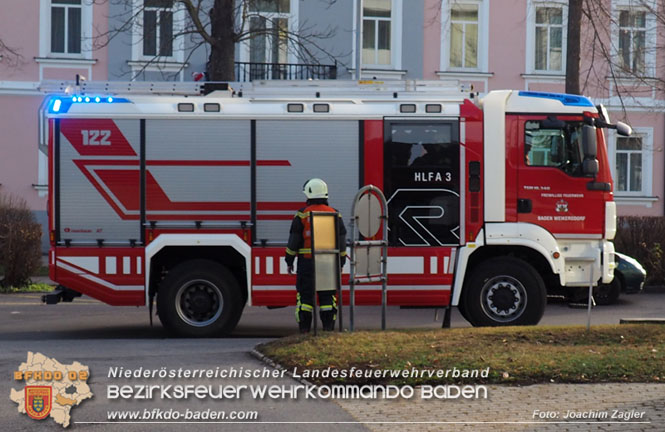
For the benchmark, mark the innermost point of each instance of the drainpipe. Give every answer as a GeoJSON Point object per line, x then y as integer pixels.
{"type": "Point", "coordinates": [359, 38]}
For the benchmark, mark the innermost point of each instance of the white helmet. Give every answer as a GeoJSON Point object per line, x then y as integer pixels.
{"type": "Point", "coordinates": [315, 188]}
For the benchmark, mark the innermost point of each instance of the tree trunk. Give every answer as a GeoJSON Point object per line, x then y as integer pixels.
{"type": "Point", "coordinates": [221, 62]}
{"type": "Point", "coordinates": [573, 47]}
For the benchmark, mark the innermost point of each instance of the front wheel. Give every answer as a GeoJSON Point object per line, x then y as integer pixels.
{"type": "Point", "coordinates": [607, 294]}
{"type": "Point", "coordinates": [504, 291]}
{"type": "Point", "coordinates": [199, 298]}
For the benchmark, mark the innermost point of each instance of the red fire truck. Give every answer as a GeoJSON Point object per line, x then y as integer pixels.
{"type": "Point", "coordinates": [184, 193]}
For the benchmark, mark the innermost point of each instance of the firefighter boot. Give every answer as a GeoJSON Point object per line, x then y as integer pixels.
{"type": "Point", "coordinates": [328, 320]}
{"type": "Point", "coordinates": [328, 309]}
{"type": "Point", "coordinates": [304, 321]}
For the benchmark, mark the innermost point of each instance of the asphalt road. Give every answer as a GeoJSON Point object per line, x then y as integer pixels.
{"type": "Point", "coordinates": [101, 337]}
{"type": "Point", "coordinates": [24, 317]}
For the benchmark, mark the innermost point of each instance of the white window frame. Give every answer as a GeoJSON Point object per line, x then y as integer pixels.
{"type": "Point", "coordinates": [45, 32]}
{"type": "Point", "coordinates": [244, 54]}
{"type": "Point", "coordinates": [651, 32]}
{"type": "Point", "coordinates": [395, 40]}
{"type": "Point", "coordinates": [532, 5]}
{"type": "Point", "coordinates": [483, 35]}
{"type": "Point", "coordinates": [646, 133]}
{"type": "Point", "coordinates": [157, 63]}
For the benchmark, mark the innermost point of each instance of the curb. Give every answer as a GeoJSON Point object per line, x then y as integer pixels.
{"type": "Point", "coordinates": [642, 321]}
{"type": "Point", "coordinates": [270, 362]}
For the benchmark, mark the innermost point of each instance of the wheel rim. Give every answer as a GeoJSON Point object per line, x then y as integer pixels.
{"type": "Point", "coordinates": [603, 292]}
{"type": "Point", "coordinates": [199, 303]}
{"type": "Point", "coordinates": [503, 298]}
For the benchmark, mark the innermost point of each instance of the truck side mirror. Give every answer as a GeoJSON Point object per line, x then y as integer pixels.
{"type": "Point", "coordinates": [589, 142]}
{"type": "Point", "coordinates": [590, 167]}
{"type": "Point", "coordinates": [623, 129]}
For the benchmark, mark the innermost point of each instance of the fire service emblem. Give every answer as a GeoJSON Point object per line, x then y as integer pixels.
{"type": "Point", "coordinates": [38, 401]}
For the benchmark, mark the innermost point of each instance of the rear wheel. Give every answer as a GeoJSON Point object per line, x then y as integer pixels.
{"type": "Point", "coordinates": [502, 292]}
{"type": "Point", "coordinates": [199, 298]}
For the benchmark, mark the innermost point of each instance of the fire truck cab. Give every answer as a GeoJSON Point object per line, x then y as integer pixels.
{"type": "Point", "coordinates": [184, 193]}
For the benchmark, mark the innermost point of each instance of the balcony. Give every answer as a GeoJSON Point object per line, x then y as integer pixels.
{"type": "Point", "coordinates": [284, 71]}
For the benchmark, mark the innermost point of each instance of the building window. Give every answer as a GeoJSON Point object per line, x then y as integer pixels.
{"type": "Point", "coordinates": [158, 28]}
{"type": "Point", "coordinates": [269, 25]}
{"type": "Point", "coordinates": [464, 36]}
{"type": "Point", "coordinates": [377, 23]}
{"type": "Point", "coordinates": [549, 39]}
{"type": "Point", "coordinates": [632, 165]}
{"type": "Point", "coordinates": [629, 164]}
{"type": "Point", "coordinates": [632, 40]}
{"type": "Point", "coordinates": [66, 26]}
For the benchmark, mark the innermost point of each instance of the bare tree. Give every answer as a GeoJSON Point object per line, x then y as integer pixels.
{"type": "Point", "coordinates": [219, 25]}
{"type": "Point", "coordinates": [621, 48]}
{"type": "Point", "coordinates": [573, 47]}
{"type": "Point", "coordinates": [9, 55]}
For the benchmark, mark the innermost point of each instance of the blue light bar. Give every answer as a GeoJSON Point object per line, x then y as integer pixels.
{"type": "Point", "coordinates": [62, 104]}
{"type": "Point", "coordinates": [564, 98]}
{"type": "Point", "coordinates": [99, 99]}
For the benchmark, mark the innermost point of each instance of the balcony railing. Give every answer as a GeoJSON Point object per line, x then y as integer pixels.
{"type": "Point", "coordinates": [283, 71]}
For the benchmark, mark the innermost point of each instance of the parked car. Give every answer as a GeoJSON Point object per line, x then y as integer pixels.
{"type": "Point", "coordinates": [629, 277]}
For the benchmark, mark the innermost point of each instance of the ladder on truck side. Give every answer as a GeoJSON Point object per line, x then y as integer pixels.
{"type": "Point", "coordinates": [443, 91]}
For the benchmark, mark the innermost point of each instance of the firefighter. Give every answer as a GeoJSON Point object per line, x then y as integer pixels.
{"type": "Point", "coordinates": [300, 244]}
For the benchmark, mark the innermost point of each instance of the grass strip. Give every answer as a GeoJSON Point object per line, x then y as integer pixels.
{"type": "Point", "coordinates": [29, 288]}
{"type": "Point", "coordinates": [514, 355]}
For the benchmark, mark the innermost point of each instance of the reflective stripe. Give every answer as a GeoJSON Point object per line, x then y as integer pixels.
{"type": "Point", "coordinates": [291, 252]}
{"type": "Point", "coordinates": [302, 215]}
{"type": "Point", "coordinates": [302, 307]}
{"type": "Point", "coordinates": [343, 253]}
{"type": "Point", "coordinates": [330, 307]}
{"type": "Point", "coordinates": [304, 251]}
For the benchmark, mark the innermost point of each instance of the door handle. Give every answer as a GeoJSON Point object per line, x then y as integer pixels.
{"type": "Point", "coordinates": [524, 205]}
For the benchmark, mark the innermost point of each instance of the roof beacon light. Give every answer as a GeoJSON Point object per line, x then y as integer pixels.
{"type": "Point", "coordinates": [97, 99]}
{"type": "Point", "coordinates": [109, 99]}
{"type": "Point", "coordinates": [87, 99]}
{"type": "Point", "coordinates": [56, 105]}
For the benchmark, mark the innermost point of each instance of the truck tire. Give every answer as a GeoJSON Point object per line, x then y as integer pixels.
{"type": "Point", "coordinates": [607, 294]}
{"type": "Point", "coordinates": [461, 310]}
{"type": "Point", "coordinates": [502, 292]}
{"type": "Point", "coordinates": [199, 298]}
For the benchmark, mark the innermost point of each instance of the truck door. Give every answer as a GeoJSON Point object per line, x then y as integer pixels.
{"type": "Point", "coordinates": [551, 187]}
{"type": "Point", "coordinates": [97, 182]}
{"type": "Point", "coordinates": [421, 182]}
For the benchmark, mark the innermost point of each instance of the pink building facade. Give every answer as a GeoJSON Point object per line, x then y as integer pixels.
{"type": "Point", "coordinates": [521, 44]}
{"type": "Point", "coordinates": [54, 41]}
